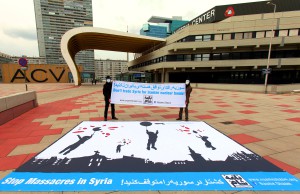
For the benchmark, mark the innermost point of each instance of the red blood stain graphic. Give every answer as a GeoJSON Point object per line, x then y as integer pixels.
{"type": "Point", "coordinates": [78, 131]}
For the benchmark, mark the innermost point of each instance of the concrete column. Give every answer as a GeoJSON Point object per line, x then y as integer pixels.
{"type": "Point", "coordinates": [166, 76]}
{"type": "Point", "coordinates": [163, 75]}
{"type": "Point", "coordinates": [155, 76]}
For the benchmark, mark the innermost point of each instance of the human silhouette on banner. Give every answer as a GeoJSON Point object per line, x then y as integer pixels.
{"type": "Point", "coordinates": [119, 146]}
{"type": "Point", "coordinates": [75, 145]}
{"type": "Point", "coordinates": [152, 137]}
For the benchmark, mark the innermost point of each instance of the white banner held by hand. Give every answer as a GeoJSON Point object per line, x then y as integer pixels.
{"type": "Point", "coordinates": [148, 94]}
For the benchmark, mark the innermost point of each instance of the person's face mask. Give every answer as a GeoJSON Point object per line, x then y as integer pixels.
{"type": "Point", "coordinates": [108, 80]}
{"type": "Point", "coordinates": [187, 82]}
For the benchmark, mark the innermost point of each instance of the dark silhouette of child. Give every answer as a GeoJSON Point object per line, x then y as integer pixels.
{"type": "Point", "coordinates": [76, 144]}
{"type": "Point", "coordinates": [207, 143]}
{"type": "Point", "coordinates": [152, 139]}
{"type": "Point", "coordinates": [119, 147]}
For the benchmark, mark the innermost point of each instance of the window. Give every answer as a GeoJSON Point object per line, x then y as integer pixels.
{"type": "Point", "coordinates": [145, 27]}
{"type": "Point", "coordinates": [226, 36]}
{"type": "Point", "coordinates": [225, 56]}
{"type": "Point", "coordinates": [179, 58]}
{"type": "Point", "coordinates": [280, 54]}
{"type": "Point", "coordinates": [206, 37]}
{"type": "Point", "coordinates": [245, 55]}
{"type": "Point", "coordinates": [216, 56]}
{"type": "Point", "coordinates": [198, 38]}
{"type": "Point", "coordinates": [257, 55]}
{"type": "Point", "coordinates": [283, 33]}
{"type": "Point", "coordinates": [218, 37]}
{"type": "Point", "coordinates": [188, 57]}
{"type": "Point", "coordinates": [260, 34]}
{"type": "Point", "coordinates": [235, 55]}
{"type": "Point", "coordinates": [238, 36]}
{"type": "Point", "coordinates": [205, 57]}
{"type": "Point", "coordinates": [198, 57]}
{"type": "Point", "coordinates": [247, 35]}
{"type": "Point", "coordinates": [294, 32]}
{"type": "Point", "coordinates": [270, 33]}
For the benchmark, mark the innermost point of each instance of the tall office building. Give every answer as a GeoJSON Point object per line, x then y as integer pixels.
{"type": "Point", "coordinates": [4, 58]}
{"type": "Point", "coordinates": [107, 67]}
{"type": "Point", "coordinates": [53, 19]}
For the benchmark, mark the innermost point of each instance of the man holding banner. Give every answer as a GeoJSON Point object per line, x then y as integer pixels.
{"type": "Point", "coordinates": [107, 87]}
{"type": "Point", "coordinates": [188, 91]}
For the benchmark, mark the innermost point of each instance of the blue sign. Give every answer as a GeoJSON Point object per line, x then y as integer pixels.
{"type": "Point", "coordinates": [23, 62]}
{"type": "Point", "coordinates": [188, 181]}
{"type": "Point", "coordinates": [266, 71]}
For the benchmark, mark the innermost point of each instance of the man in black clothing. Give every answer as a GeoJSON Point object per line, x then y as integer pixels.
{"type": "Point", "coordinates": [107, 93]}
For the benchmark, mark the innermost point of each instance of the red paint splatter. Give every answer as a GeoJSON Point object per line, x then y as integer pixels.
{"type": "Point", "coordinates": [78, 131]}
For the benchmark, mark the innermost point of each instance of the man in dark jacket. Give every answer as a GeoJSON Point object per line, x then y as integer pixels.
{"type": "Point", "coordinates": [188, 91]}
{"type": "Point", "coordinates": [107, 93]}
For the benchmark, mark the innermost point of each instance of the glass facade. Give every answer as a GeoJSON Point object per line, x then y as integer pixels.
{"type": "Point", "coordinates": [163, 27]}
{"type": "Point", "coordinates": [154, 31]}
{"type": "Point", "coordinates": [176, 24]}
{"type": "Point", "coordinates": [53, 19]}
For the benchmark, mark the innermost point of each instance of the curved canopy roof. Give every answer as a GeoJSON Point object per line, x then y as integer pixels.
{"type": "Point", "coordinates": [84, 38]}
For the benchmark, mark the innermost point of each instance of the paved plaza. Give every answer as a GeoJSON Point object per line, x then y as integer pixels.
{"type": "Point", "coordinates": [267, 124]}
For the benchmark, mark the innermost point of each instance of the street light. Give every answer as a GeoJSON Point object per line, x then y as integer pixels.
{"type": "Point", "coordinates": [270, 47]}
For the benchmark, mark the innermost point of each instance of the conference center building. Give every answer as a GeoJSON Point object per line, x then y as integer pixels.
{"type": "Point", "coordinates": [237, 43]}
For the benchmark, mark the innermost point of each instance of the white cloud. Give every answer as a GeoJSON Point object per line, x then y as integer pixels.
{"type": "Point", "coordinates": [18, 30]}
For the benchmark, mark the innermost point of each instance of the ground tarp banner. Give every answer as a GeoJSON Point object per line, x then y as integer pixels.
{"type": "Point", "coordinates": [148, 94]}
{"type": "Point", "coordinates": [143, 156]}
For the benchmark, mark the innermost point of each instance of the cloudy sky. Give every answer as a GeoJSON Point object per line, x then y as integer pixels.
{"type": "Point", "coordinates": [18, 31]}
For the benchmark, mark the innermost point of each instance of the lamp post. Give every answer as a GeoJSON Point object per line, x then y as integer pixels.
{"type": "Point", "coordinates": [270, 48]}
